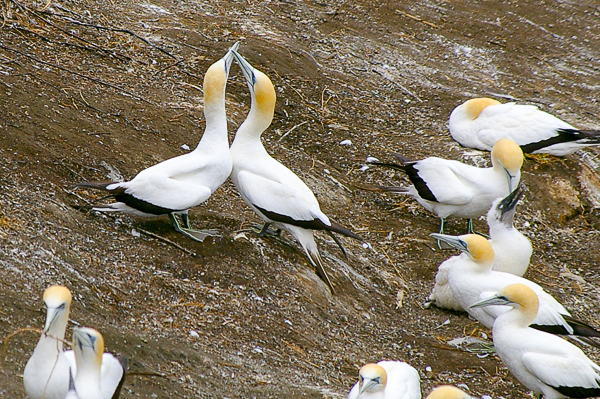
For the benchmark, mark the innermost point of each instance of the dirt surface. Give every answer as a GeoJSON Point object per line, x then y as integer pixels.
{"type": "Point", "coordinates": [96, 90]}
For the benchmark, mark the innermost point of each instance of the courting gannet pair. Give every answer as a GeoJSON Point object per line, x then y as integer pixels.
{"type": "Point", "coordinates": [546, 364]}
{"type": "Point", "coordinates": [273, 191]}
{"type": "Point", "coordinates": [387, 380]}
{"type": "Point", "coordinates": [452, 188]}
{"type": "Point", "coordinates": [48, 371]}
{"type": "Point", "coordinates": [174, 186]}
{"type": "Point", "coordinates": [480, 122]}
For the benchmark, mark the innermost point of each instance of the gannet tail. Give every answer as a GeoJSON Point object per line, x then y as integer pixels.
{"type": "Point", "coordinates": [585, 137]}
{"type": "Point", "coordinates": [97, 185]}
{"type": "Point", "coordinates": [315, 259]}
{"type": "Point", "coordinates": [401, 190]}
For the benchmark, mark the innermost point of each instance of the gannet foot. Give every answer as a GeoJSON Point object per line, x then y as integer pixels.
{"type": "Point", "coordinates": [265, 230]}
{"type": "Point", "coordinates": [196, 235]}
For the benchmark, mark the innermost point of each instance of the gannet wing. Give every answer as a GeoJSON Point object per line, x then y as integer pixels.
{"type": "Point", "coordinates": [563, 370]}
{"type": "Point", "coordinates": [112, 375]}
{"type": "Point", "coordinates": [445, 180]}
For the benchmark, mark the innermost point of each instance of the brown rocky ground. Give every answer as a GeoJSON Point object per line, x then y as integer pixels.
{"type": "Point", "coordinates": [91, 90]}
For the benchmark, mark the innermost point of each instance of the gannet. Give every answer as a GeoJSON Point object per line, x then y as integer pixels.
{"type": "Point", "coordinates": [46, 374]}
{"type": "Point", "coordinates": [448, 392]}
{"type": "Point", "coordinates": [273, 191]}
{"type": "Point", "coordinates": [174, 186]}
{"type": "Point", "coordinates": [544, 363]}
{"type": "Point", "coordinates": [98, 375]}
{"type": "Point", "coordinates": [480, 122]}
{"type": "Point", "coordinates": [472, 279]}
{"type": "Point", "coordinates": [451, 188]}
{"type": "Point", "coordinates": [387, 380]}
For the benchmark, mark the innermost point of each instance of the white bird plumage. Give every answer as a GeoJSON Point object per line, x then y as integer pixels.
{"type": "Point", "coordinates": [174, 186]}
{"type": "Point", "coordinates": [544, 363]}
{"type": "Point", "coordinates": [273, 191]}
{"type": "Point", "coordinates": [480, 122]}
{"type": "Point", "coordinates": [387, 380]}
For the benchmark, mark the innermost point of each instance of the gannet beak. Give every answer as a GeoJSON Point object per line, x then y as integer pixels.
{"type": "Point", "coordinates": [83, 339]}
{"type": "Point", "coordinates": [511, 180]}
{"type": "Point", "coordinates": [495, 300]}
{"type": "Point", "coordinates": [367, 384]}
{"type": "Point", "coordinates": [508, 204]}
{"type": "Point", "coordinates": [52, 315]}
{"type": "Point", "coordinates": [453, 241]}
{"type": "Point", "coordinates": [247, 70]}
{"type": "Point", "coordinates": [228, 58]}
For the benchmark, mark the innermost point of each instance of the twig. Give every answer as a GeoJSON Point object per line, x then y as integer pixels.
{"type": "Point", "coordinates": [292, 129]}
{"type": "Point", "coordinates": [397, 84]}
{"type": "Point", "coordinates": [19, 331]}
{"type": "Point", "coordinates": [168, 66]}
{"type": "Point", "coordinates": [416, 18]}
{"type": "Point", "coordinates": [165, 240]}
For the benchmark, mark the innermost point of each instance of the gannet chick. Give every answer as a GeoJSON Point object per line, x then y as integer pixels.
{"type": "Point", "coordinates": [46, 374]}
{"type": "Point", "coordinates": [480, 122]}
{"type": "Point", "coordinates": [174, 186]}
{"type": "Point", "coordinates": [387, 380]}
{"type": "Point", "coordinates": [273, 191]}
{"type": "Point", "coordinates": [97, 376]}
{"type": "Point", "coordinates": [544, 363]}
{"type": "Point", "coordinates": [512, 250]}
{"type": "Point", "coordinates": [472, 279]}
{"type": "Point", "coordinates": [448, 392]}
{"type": "Point", "coordinates": [451, 188]}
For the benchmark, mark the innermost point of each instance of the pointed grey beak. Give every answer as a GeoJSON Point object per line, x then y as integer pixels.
{"type": "Point", "coordinates": [508, 204]}
{"type": "Point", "coordinates": [247, 70]}
{"type": "Point", "coordinates": [52, 314]}
{"type": "Point", "coordinates": [453, 241]}
{"type": "Point", "coordinates": [367, 384]}
{"type": "Point", "coordinates": [495, 300]}
{"type": "Point", "coordinates": [228, 58]}
{"type": "Point", "coordinates": [83, 339]}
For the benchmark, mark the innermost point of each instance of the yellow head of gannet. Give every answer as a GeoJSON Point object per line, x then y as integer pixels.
{"type": "Point", "coordinates": [475, 246]}
{"type": "Point", "coordinates": [58, 302]}
{"type": "Point", "coordinates": [263, 95]}
{"type": "Point", "coordinates": [506, 154]}
{"type": "Point", "coordinates": [371, 378]}
{"type": "Point", "coordinates": [473, 107]}
{"type": "Point", "coordinates": [448, 392]}
{"type": "Point", "coordinates": [215, 81]}
{"type": "Point", "coordinates": [89, 347]}
{"type": "Point", "coordinates": [518, 296]}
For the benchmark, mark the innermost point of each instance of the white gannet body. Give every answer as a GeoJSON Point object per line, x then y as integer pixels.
{"type": "Point", "coordinates": [448, 392]}
{"type": "Point", "coordinates": [46, 373]}
{"type": "Point", "coordinates": [273, 191]}
{"type": "Point", "coordinates": [174, 186]}
{"type": "Point", "coordinates": [544, 363]}
{"type": "Point", "coordinates": [451, 188]}
{"type": "Point", "coordinates": [480, 122]}
{"type": "Point", "coordinates": [98, 375]}
{"type": "Point", "coordinates": [387, 380]}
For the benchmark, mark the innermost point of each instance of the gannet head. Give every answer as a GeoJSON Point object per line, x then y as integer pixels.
{"type": "Point", "coordinates": [371, 378]}
{"type": "Point", "coordinates": [215, 78]}
{"type": "Point", "coordinates": [503, 209]}
{"type": "Point", "coordinates": [475, 246]}
{"type": "Point", "coordinates": [58, 302]}
{"type": "Point", "coordinates": [473, 107]}
{"type": "Point", "coordinates": [448, 392]}
{"type": "Point", "coordinates": [509, 156]}
{"type": "Point", "coordinates": [89, 345]}
{"type": "Point", "coordinates": [518, 296]}
{"type": "Point", "coordinates": [261, 88]}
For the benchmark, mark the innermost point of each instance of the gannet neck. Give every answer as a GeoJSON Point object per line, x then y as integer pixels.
{"type": "Point", "coordinates": [472, 108]}
{"type": "Point", "coordinates": [372, 378]}
{"type": "Point", "coordinates": [89, 346]}
{"type": "Point", "coordinates": [447, 392]}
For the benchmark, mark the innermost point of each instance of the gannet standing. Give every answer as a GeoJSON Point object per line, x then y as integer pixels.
{"type": "Point", "coordinates": [98, 375]}
{"type": "Point", "coordinates": [387, 380]}
{"type": "Point", "coordinates": [174, 186]}
{"type": "Point", "coordinates": [273, 191]}
{"type": "Point", "coordinates": [544, 363]}
{"type": "Point", "coordinates": [452, 188]}
{"type": "Point", "coordinates": [448, 392]}
{"type": "Point", "coordinates": [46, 374]}
{"type": "Point", "coordinates": [472, 279]}
{"type": "Point", "coordinates": [480, 122]}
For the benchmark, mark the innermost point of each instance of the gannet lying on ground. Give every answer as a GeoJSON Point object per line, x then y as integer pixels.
{"type": "Point", "coordinates": [480, 122]}
{"type": "Point", "coordinates": [174, 186]}
{"type": "Point", "coordinates": [387, 380]}
{"type": "Point", "coordinates": [544, 363]}
{"type": "Point", "coordinates": [273, 191]}
{"type": "Point", "coordinates": [448, 392]}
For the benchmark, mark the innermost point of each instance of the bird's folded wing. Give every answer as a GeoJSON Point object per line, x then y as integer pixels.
{"type": "Point", "coordinates": [561, 370]}
{"type": "Point", "coordinates": [111, 374]}
{"type": "Point", "coordinates": [279, 198]}
{"type": "Point", "coordinates": [443, 180]}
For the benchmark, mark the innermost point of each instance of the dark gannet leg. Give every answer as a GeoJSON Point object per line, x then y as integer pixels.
{"type": "Point", "coordinates": [439, 242]}
{"type": "Point", "coordinates": [196, 235]}
{"type": "Point", "coordinates": [266, 230]}
{"type": "Point", "coordinates": [471, 230]}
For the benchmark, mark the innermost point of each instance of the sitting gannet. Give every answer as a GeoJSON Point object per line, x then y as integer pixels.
{"type": "Point", "coordinates": [98, 375]}
{"type": "Point", "coordinates": [480, 122]}
{"type": "Point", "coordinates": [542, 362]}
{"type": "Point", "coordinates": [387, 380]}
{"type": "Point", "coordinates": [273, 191]}
{"type": "Point", "coordinates": [452, 188]}
{"type": "Point", "coordinates": [472, 279]}
{"type": "Point", "coordinates": [448, 392]}
{"type": "Point", "coordinates": [46, 374]}
{"type": "Point", "coordinates": [174, 186]}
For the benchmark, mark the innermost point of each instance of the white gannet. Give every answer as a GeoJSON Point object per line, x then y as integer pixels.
{"type": "Point", "coordinates": [387, 380]}
{"type": "Point", "coordinates": [174, 186]}
{"type": "Point", "coordinates": [472, 279]}
{"type": "Point", "coordinates": [544, 363]}
{"type": "Point", "coordinates": [512, 250]}
{"type": "Point", "coordinates": [98, 375]}
{"type": "Point", "coordinates": [46, 374]}
{"type": "Point", "coordinates": [452, 188]}
{"type": "Point", "coordinates": [480, 122]}
{"type": "Point", "coordinates": [273, 191]}
{"type": "Point", "coordinates": [448, 392]}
